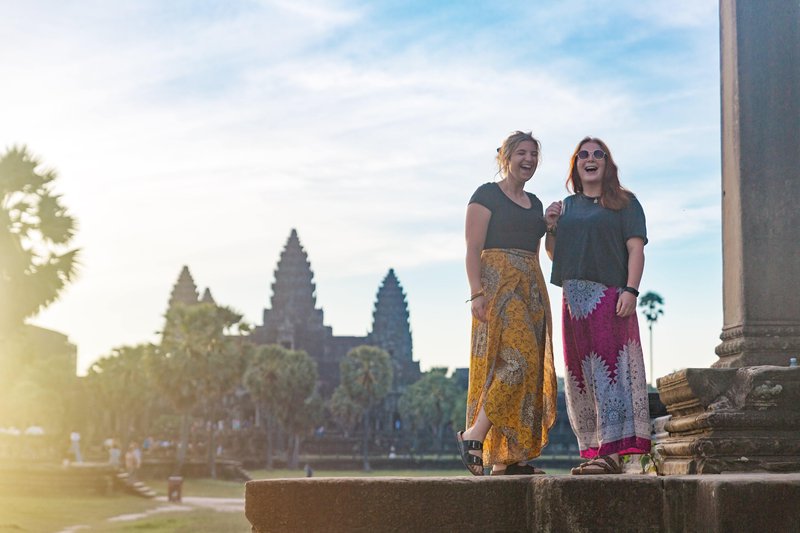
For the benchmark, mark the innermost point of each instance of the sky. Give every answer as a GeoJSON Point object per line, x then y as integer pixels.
{"type": "Point", "coordinates": [200, 133]}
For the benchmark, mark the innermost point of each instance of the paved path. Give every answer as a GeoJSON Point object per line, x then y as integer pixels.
{"type": "Point", "coordinates": [189, 503]}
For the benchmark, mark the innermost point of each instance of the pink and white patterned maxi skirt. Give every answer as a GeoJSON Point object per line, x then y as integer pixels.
{"type": "Point", "coordinates": [606, 387]}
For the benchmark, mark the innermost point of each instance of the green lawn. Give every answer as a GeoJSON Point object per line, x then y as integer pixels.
{"type": "Point", "coordinates": [201, 520]}
{"type": "Point", "coordinates": [50, 512]}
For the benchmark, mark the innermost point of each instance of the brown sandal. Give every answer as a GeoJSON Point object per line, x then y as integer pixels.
{"type": "Point", "coordinates": [597, 466]}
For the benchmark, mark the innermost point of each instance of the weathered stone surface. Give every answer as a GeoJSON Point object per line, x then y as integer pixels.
{"type": "Point", "coordinates": [463, 504]}
{"type": "Point", "coordinates": [625, 503]}
{"type": "Point", "coordinates": [734, 502]}
{"type": "Point", "coordinates": [596, 503]}
{"type": "Point", "coordinates": [731, 420]}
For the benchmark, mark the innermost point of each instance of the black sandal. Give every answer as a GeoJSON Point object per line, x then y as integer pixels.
{"type": "Point", "coordinates": [522, 470]}
{"type": "Point", "coordinates": [470, 460]}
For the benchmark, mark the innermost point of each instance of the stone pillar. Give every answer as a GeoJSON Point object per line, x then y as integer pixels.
{"type": "Point", "coordinates": [760, 62]}
{"type": "Point", "coordinates": [744, 414]}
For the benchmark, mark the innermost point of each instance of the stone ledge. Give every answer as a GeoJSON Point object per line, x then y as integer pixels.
{"type": "Point", "coordinates": [388, 504]}
{"type": "Point", "coordinates": [727, 502]}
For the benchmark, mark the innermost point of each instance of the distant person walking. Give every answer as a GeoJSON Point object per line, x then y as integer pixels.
{"type": "Point", "coordinates": [114, 453]}
{"type": "Point", "coordinates": [75, 446]}
{"type": "Point", "coordinates": [596, 240]}
{"type": "Point", "coordinates": [133, 460]}
{"type": "Point", "coordinates": [511, 402]}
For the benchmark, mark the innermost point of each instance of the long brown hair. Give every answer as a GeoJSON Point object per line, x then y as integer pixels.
{"type": "Point", "coordinates": [613, 196]}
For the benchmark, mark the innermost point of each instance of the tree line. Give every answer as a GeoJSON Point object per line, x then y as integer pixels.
{"type": "Point", "coordinates": [206, 369]}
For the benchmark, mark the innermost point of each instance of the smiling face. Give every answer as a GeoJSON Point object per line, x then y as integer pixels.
{"type": "Point", "coordinates": [592, 169]}
{"type": "Point", "coordinates": [523, 161]}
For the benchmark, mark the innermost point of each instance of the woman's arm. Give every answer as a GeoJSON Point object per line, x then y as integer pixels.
{"type": "Point", "coordinates": [626, 305]}
{"type": "Point", "coordinates": [549, 244]}
{"type": "Point", "coordinates": [476, 226]}
{"type": "Point", "coordinates": [551, 217]}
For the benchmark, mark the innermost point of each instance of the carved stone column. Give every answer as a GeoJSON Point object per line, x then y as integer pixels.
{"type": "Point", "coordinates": [731, 420]}
{"type": "Point", "coordinates": [744, 414]}
{"type": "Point", "coordinates": [760, 67]}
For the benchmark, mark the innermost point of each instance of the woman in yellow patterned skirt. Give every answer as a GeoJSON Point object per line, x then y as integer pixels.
{"type": "Point", "coordinates": [511, 403]}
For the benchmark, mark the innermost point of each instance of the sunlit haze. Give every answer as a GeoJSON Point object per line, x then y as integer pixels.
{"type": "Point", "coordinates": [201, 133]}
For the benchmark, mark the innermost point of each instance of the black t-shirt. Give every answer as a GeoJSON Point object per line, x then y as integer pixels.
{"type": "Point", "coordinates": [591, 241]}
{"type": "Point", "coordinates": [511, 225]}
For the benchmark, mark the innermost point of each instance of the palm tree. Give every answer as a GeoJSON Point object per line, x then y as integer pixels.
{"type": "Point", "coordinates": [430, 403]}
{"type": "Point", "coordinates": [121, 384]}
{"type": "Point", "coordinates": [345, 412]}
{"type": "Point", "coordinates": [36, 262]}
{"type": "Point", "coordinates": [199, 365]}
{"type": "Point", "coordinates": [263, 380]}
{"type": "Point", "coordinates": [652, 305]}
{"type": "Point", "coordinates": [283, 385]}
{"type": "Point", "coordinates": [366, 376]}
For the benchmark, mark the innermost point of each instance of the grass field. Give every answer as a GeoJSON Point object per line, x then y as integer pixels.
{"type": "Point", "coordinates": [49, 513]}
{"type": "Point", "coordinates": [202, 520]}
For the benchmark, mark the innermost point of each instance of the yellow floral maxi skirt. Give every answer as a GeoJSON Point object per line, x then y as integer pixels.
{"type": "Point", "coordinates": [511, 374]}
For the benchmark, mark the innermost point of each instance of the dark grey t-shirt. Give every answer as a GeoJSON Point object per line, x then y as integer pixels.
{"type": "Point", "coordinates": [511, 225]}
{"type": "Point", "coordinates": [590, 241]}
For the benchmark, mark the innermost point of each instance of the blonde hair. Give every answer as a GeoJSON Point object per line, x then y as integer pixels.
{"type": "Point", "coordinates": [509, 145]}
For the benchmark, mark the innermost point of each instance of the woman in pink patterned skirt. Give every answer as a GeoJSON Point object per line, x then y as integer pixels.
{"type": "Point", "coordinates": [596, 240]}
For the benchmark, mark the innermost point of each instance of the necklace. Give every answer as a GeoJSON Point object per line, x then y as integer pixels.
{"type": "Point", "coordinates": [594, 199]}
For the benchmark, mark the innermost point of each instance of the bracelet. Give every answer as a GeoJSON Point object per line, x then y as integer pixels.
{"type": "Point", "coordinates": [476, 295]}
{"type": "Point", "coordinates": [631, 290]}
{"type": "Point", "coordinates": [552, 230]}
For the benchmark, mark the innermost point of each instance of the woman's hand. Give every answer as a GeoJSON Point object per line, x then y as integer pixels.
{"type": "Point", "coordinates": [479, 308]}
{"type": "Point", "coordinates": [626, 304]}
{"type": "Point", "coordinates": [552, 214]}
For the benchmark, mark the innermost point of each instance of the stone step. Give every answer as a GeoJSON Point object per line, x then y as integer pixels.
{"type": "Point", "coordinates": [137, 488]}
{"type": "Point", "coordinates": [712, 503]}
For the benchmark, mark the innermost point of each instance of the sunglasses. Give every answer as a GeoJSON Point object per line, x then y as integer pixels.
{"type": "Point", "coordinates": [598, 154]}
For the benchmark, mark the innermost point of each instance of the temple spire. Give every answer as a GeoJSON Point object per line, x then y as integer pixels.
{"type": "Point", "coordinates": [207, 298]}
{"type": "Point", "coordinates": [184, 291]}
{"type": "Point", "coordinates": [391, 330]}
{"type": "Point", "coordinates": [293, 293]}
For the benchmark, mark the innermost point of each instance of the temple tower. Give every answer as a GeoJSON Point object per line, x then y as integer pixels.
{"type": "Point", "coordinates": [391, 330]}
{"type": "Point", "coordinates": [293, 321]}
{"type": "Point", "coordinates": [184, 291]}
{"type": "Point", "coordinates": [207, 298]}
{"type": "Point", "coordinates": [293, 292]}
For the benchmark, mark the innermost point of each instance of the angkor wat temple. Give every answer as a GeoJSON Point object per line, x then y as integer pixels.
{"type": "Point", "coordinates": [294, 321]}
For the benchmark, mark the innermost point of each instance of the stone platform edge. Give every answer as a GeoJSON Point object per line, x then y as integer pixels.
{"type": "Point", "coordinates": [711, 503]}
